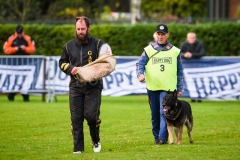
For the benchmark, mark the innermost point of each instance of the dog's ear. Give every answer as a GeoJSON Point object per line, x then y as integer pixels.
{"type": "Point", "coordinates": [168, 91]}
{"type": "Point", "coordinates": [175, 93]}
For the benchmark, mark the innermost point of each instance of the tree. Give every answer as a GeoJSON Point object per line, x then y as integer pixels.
{"type": "Point", "coordinates": [135, 11]}
{"type": "Point", "coordinates": [32, 10]}
{"type": "Point", "coordinates": [179, 8]}
{"type": "Point", "coordinates": [65, 9]}
{"type": "Point", "coordinates": [19, 9]}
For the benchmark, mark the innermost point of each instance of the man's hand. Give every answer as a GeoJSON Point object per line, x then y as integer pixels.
{"type": "Point", "coordinates": [179, 94]}
{"type": "Point", "coordinates": [18, 48]}
{"type": "Point", "coordinates": [23, 47]}
{"type": "Point", "coordinates": [74, 70]}
{"type": "Point", "coordinates": [141, 78]}
{"type": "Point", "coordinates": [188, 55]}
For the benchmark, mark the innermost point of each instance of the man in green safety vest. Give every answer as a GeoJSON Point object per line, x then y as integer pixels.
{"type": "Point", "coordinates": [161, 67]}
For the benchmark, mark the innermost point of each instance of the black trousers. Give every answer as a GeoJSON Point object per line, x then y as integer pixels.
{"type": "Point", "coordinates": [85, 101]}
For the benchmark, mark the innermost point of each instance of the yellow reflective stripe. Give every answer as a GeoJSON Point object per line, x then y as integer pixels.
{"type": "Point", "coordinates": [97, 47]}
{"type": "Point", "coordinates": [64, 66]}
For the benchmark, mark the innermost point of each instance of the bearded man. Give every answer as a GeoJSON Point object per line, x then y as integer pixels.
{"type": "Point", "coordinates": [84, 97]}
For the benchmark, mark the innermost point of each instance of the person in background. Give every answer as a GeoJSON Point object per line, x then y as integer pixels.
{"type": "Point", "coordinates": [192, 48]}
{"type": "Point", "coordinates": [154, 38]}
{"type": "Point", "coordinates": [19, 44]}
{"type": "Point", "coordinates": [160, 64]}
{"type": "Point", "coordinates": [84, 97]}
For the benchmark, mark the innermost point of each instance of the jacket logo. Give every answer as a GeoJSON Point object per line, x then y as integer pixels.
{"type": "Point", "coordinates": [168, 47]}
{"type": "Point", "coordinates": [107, 50]}
{"type": "Point", "coordinates": [89, 56]}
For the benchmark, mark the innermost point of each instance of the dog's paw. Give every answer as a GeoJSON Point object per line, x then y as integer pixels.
{"type": "Point", "coordinates": [171, 142]}
{"type": "Point", "coordinates": [191, 141]}
{"type": "Point", "coordinates": [178, 142]}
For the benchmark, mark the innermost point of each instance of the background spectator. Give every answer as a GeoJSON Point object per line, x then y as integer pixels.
{"type": "Point", "coordinates": [192, 47]}
{"type": "Point", "coordinates": [154, 38]}
{"type": "Point", "coordinates": [19, 44]}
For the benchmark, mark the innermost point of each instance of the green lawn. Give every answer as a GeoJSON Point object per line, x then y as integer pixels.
{"type": "Point", "coordinates": [38, 130]}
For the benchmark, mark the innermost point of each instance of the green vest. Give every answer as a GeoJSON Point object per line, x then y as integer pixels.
{"type": "Point", "coordinates": [161, 69]}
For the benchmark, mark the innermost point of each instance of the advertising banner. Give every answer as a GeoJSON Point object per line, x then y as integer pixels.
{"type": "Point", "coordinates": [215, 78]}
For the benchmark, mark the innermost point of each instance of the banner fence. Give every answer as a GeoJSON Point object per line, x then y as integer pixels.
{"type": "Point", "coordinates": [215, 78]}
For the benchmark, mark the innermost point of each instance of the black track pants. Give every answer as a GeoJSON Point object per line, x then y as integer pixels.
{"type": "Point", "coordinates": [85, 101]}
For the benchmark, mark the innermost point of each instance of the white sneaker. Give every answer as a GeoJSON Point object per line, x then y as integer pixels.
{"type": "Point", "coordinates": [78, 152]}
{"type": "Point", "coordinates": [97, 147]}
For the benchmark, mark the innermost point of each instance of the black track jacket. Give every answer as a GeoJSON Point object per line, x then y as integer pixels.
{"type": "Point", "coordinates": [76, 55]}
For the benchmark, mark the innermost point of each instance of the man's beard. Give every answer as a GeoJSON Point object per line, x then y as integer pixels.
{"type": "Point", "coordinates": [82, 40]}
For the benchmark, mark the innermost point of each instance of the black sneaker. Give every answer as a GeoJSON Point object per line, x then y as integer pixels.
{"type": "Point", "coordinates": [161, 141]}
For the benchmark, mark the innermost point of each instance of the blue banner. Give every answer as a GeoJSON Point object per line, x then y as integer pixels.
{"type": "Point", "coordinates": [215, 78]}
{"type": "Point", "coordinates": [212, 78]}
{"type": "Point", "coordinates": [20, 73]}
{"type": "Point", "coordinates": [207, 78]}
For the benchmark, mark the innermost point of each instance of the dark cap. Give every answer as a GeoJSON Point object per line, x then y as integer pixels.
{"type": "Point", "coordinates": [19, 29]}
{"type": "Point", "coordinates": [162, 28]}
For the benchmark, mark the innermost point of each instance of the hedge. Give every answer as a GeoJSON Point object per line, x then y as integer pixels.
{"type": "Point", "coordinates": [219, 38]}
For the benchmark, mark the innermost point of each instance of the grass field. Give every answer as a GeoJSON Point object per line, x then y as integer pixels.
{"type": "Point", "coordinates": [38, 130]}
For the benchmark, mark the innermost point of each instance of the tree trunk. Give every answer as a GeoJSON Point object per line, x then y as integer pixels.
{"type": "Point", "coordinates": [135, 11]}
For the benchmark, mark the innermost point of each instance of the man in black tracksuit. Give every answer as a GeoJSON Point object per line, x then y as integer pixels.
{"type": "Point", "coordinates": [85, 98]}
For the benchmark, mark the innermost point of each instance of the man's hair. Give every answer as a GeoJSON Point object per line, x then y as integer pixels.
{"type": "Point", "coordinates": [87, 20]}
{"type": "Point", "coordinates": [192, 33]}
{"type": "Point", "coordinates": [155, 35]}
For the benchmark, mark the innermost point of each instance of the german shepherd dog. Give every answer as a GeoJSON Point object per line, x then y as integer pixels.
{"type": "Point", "coordinates": [178, 113]}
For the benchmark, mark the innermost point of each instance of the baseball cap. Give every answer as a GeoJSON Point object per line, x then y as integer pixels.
{"type": "Point", "coordinates": [19, 29]}
{"type": "Point", "coordinates": [162, 28]}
